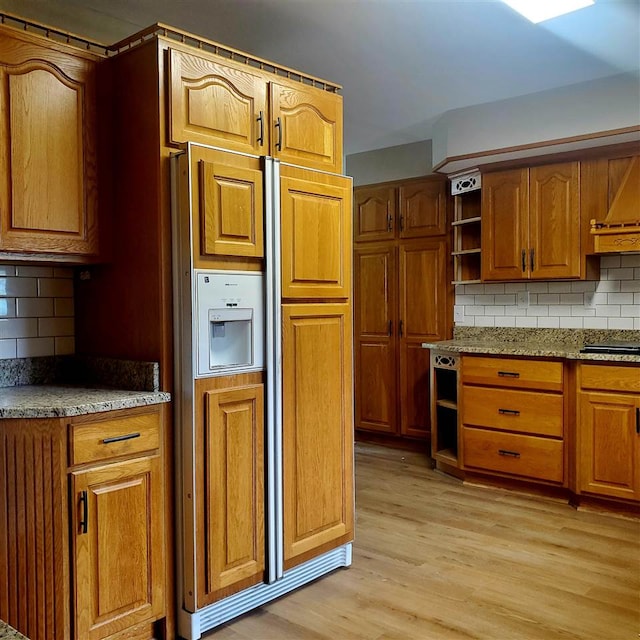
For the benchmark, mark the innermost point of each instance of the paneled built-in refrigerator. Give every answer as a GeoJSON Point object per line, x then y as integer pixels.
{"type": "Point", "coordinates": [263, 393]}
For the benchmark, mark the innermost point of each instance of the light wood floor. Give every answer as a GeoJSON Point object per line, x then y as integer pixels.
{"type": "Point", "coordinates": [434, 558]}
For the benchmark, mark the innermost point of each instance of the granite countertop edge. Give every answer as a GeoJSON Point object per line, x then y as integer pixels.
{"type": "Point", "coordinates": [57, 401]}
{"type": "Point", "coordinates": [566, 351]}
{"type": "Point", "coordinates": [9, 633]}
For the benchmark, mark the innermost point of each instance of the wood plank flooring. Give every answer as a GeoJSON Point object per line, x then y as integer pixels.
{"type": "Point", "coordinates": [434, 558]}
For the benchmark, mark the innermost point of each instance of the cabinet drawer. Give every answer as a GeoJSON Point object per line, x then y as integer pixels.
{"type": "Point", "coordinates": [520, 373]}
{"type": "Point", "coordinates": [118, 436]}
{"type": "Point", "coordinates": [610, 377]}
{"type": "Point", "coordinates": [525, 411]}
{"type": "Point", "coordinates": [528, 456]}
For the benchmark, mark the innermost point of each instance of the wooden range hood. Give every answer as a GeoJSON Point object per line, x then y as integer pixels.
{"type": "Point", "coordinates": [620, 230]}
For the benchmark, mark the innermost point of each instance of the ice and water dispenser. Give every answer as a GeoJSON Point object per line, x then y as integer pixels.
{"type": "Point", "coordinates": [230, 317]}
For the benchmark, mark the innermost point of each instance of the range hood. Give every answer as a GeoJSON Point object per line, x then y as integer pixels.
{"type": "Point", "coordinates": [620, 230]}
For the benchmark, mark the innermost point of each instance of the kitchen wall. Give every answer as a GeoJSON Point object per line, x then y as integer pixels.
{"type": "Point", "coordinates": [392, 163]}
{"type": "Point", "coordinates": [36, 311]}
{"type": "Point", "coordinates": [613, 302]}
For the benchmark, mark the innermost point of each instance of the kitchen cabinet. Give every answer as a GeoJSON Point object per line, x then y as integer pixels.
{"type": "Point", "coordinates": [531, 224]}
{"type": "Point", "coordinates": [230, 476]}
{"type": "Point", "coordinates": [513, 417]}
{"type": "Point", "coordinates": [409, 209]}
{"type": "Point", "coordinates": [401, 300]}
{"type": "Point", "coordinates": [315, 234]}
{"type": "Point", "coordinates": [608, 431]}
{"type": "Point", "coordinates": [317, 429]}
{"type": "Point", "coordinates": [87, 522]}
{"type": "Point", "coordinates": [466, 251]}
{"type": "Point", "coordinates": [48, 149]}
{"type": "Point", "coordinates": [237, 107]}
{"type": "Point", "coordinates": [227, 205]}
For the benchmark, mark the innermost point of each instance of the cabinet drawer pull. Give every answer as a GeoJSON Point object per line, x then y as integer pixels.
{"type": "Point", "coordinates": [532, 256]}
{"type": "Point", "coordinates": [84, 521]}
{"type": "Point", "coordinates": [389, 222]}
{"type": "Point", "coordinates": [278, 126]}
{"type": "Point", "coordinates": [508, 454]}
{"type": "Point", "coordinates": [260, 120]}
{"type": "Point", "coordinates": [524, 260]}
{"type": "Point", "coordinates": [508, 374]}
{"type": "Point", "coordinates": [390, 333]}
{"type": "Point", "coordinates": [128, 436]}
{"type": "Point", "coordinates": [508, 412]}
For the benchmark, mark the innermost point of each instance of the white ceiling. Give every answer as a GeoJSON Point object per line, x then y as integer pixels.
{"type": "Point", "coordinates": [402, 63]}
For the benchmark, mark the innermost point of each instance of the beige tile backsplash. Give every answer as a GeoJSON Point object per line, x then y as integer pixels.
{"type": "Point", "coordinates": [36, 311]}
{"type": "Point", "coordinates": [613, 302]}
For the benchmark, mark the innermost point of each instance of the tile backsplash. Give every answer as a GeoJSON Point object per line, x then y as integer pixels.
{"type": "Point", "coordinates": [613, 302]}
{"type": "Point", "coordinates": [36, 311]}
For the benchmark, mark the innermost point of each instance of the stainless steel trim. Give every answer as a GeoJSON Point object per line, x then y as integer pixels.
{"type": "Point", "coordinates": [277, 339]}
{"type": "Point", "coordinates": [270, 358]}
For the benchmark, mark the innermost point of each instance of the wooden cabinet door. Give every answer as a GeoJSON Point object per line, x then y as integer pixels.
{"type": "Point", "coordinates": [424, 317]}
{"type": "Point", "coordinates": [374, 213]}
{"type": "Point", "coordinates": [228, 202]}
{"type": "Point", "coordinates": [375, 349]}
{"type": "Point", "coordinates": [554, 221]}
{"type": "Point", "coordinates": [608, 445]}
{"type": "Point", "coordinates": [216, 104]}
{"type": "Point", "coordinates": [423, 208]}
{"type": "Point", "coordinates": [505, 226]}
{"type": "Point", "coordinates": [317, 429]}
{"type": "Point", "coordinates": [307, 126]}
{"type": "Point", "coordinates": [316, 234]}
{"type": "Point", "coordinates": [118, 546]}
{"type": "Point", "coordinates": [231, 525]}
{"type": "Point", "coordinates": [48, 191]}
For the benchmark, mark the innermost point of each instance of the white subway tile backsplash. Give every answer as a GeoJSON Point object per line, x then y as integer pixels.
{"type": "Point", "coordinates": [620, 323]}
{"type": "Point", "coordinates": [619, 298]}
{"type": "Point", "coordinates": [474, 311]}
{"type": "Point", "coordinates": [514, 287]}
{"type": "Point", "coordinates": [7, 307]}
{"type": "Point", "coordinates": [538, 287]}
{"type": "Point", "coordinates": [35, 347]}
{"type": "Point", "coordinates": [608, 286]}
{"type": "Point", "coordinates": [18, 328]}
{"type": "Point", "coordinates": [620, 274]}
{"type": "Point", "coordinates": [485, 299]}
{"type": "Point", "coordinates": [538, 310]}
{"type": "Point", "coordinates": [55, 327]}
{"type": "Point", "coordinates": [560, 310]}
{"type": "Point", "coordinates": [630, 310]}
{"type": "Point", "coordinates": [630, 285]}
{"type": "Point", "coordinates": [26, 271]}
{"type": "Point", "coordinates": [7, 349]}
{"type": "Point", "coordinates": [463, 298]}
{"type": "Point", "coordinates": [494, 287]}
{"type": "Point", "coordinates": [636, 323]}
{"type": "Point", "coordinates": [632, 260]}
{"type": "Point", "coordinates": [36, 311]}
{"type": "Point", "coordinates": [595, 323]}
{"type": "Point", "coordinates": [571, 322]}
{"type": "Point", "coordinates": [526, 322]}
{"type": "Point", "coordinates": [607, 262]}
{"type": "Point", "coordinates": [560, 287]}
{"type": "Point", "coordinates": [608, 310]}
{"type": "Point", "coordinates": [548, 323]}
{"type": "Point", "coordinates": [485, 321]}
{"type": "Point", "coordinates": [55, 287]}
{"type": "Point", "coordinates": [583, 286]}
{"type": "Point", "coordinates": [548, 298]}
{"type": "Point", "coordinates": [474, 288]}
{"type": "Point", "coordinates": [34, 307]}
{"type": "Point", "coordinates": [505, 298]}
{"type": "Point", "coordinates": [506, 321]}
{"type": "Point", "coordinates": [18, 287]}
{"type": "Point", "coordinates": [580, 310]}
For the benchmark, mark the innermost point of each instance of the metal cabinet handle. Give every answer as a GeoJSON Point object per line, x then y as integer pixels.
{"type": "Point", "coordinates": [128, 436]}
{"type": "Point", "coordinates": [260, 120]}
{"type": "Point", "coordinates": [278, 126]}
{"type": "Point", "coordinates": [400, 329]}
{"type": "Point", "coordinates": [390, 328]}
{"type": "Point", "coordinates": [508, 374]}
{"type": "Point", "coordinates": [389, 222]}
{"type": "Point", "coordinates": [524, 260]}
{"type": "Point", "coordinates": [84, 521]}
{"type": "Point", "coordinates": [401, 223]}
{"type": "Point", "coordinates": [638, 420]}
{"type": "Point", "coordinates": [532, 255]}
{"type": "Point", "coordinates": [508, 454]}
{"type": "Point", "coordinates": [508, 412]}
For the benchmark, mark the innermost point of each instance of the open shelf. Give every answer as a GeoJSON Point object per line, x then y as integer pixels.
{"type": "Point", "coordinates": [466, 247]}
{"type": "Point", "coordinates": [444, 407]}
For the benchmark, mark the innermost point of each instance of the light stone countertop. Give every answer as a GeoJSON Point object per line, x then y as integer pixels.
{"type": "Point", "coordinates": [53, 401]}
{"type": "Point", "coordinates": [530, 349]}
{"type": "Point", "coordinates": [9, 633]}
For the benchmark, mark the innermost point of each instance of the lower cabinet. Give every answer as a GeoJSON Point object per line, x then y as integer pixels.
{"type": "Point", "coordinates": [513, 417]}
{"type": "Point", "coordinates": [89, 560]}
{"type": "Point", "coordinates": [317, 430]}
{"type": "Point", "coordinates": [608, 431]}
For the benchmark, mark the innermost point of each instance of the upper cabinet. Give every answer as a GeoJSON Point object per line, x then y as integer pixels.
{"type": "Point", "coordinates": [408, 209]}
{"type": "Point", "coordinates": [532, 224]}
{"type": "Point", "coordinates": [48, 155]}
{"type": "Point", "coordinates": [231, 105]}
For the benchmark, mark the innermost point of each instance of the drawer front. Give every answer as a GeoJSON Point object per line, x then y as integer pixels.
{"type": "Point", "coordinates": [119, 436]}
{"type": "Point", "coordinates": [527, 456]}
{"type": "Point", "coordinates": [610, 377]}
{"type": "Point", "coordinates": [518, 373]}
{"type": "Point", "coordinates": [523, 411]}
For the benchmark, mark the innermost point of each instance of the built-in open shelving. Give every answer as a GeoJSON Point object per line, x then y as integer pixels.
{"type": "Point", "coordinates": [444, 408]}
{"type": "Point", "coordinates": [466, 246]}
